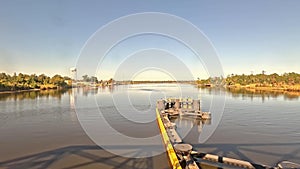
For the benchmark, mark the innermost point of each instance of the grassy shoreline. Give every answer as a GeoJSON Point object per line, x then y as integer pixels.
{"type": "Point", "coordinates": [292, 88]}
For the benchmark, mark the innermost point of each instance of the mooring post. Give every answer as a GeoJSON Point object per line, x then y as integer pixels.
{"type": "Point", "coordinates": [196, 105]}
{"type": "Point", "coordinates": [177, 104]}
{"type": "Point", "coordinates": [161, 105]}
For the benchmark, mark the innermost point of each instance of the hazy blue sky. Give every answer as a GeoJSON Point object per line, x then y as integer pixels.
{"type": "Point", "coordinates": [47, 36]}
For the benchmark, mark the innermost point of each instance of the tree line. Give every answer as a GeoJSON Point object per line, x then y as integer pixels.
{"type": "Point", "coordinates": [33, 81]}
{"type": "Point", "coordinates": [257, 80]}
{"type": "Point", "coordinates": [94, 80]}
{"type": "Point", "coordinates": [271, 80]}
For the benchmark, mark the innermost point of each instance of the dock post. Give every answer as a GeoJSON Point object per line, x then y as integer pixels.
{"type": "Point", "coordinates": [196, 105]}
{"type": "Point", "coordinates": [183, 149]}
{"type": "Point", "coordinates": [177, 104]}
{"type": "Point", "coordinates": [161, 105]}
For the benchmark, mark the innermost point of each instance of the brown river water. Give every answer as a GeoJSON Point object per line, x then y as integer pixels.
{"type": "Point", "coordinates": [40, 129]}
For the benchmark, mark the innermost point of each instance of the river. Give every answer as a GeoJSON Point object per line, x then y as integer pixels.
{"type": "Point", "coordinates": [41, 129]}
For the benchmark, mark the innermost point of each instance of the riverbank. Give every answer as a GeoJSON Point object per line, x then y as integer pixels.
{"type": "Point", "coordinates": [288, 88]}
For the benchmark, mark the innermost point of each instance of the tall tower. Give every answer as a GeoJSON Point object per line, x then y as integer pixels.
{"type": "Point", "coordinates": [73, 72]}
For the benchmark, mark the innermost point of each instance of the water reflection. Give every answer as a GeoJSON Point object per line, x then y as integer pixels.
{"type": "Point", "coordinates": [246, 93]}
{"type": "Point", "coordinates": [212, 91]}
{"type": "Point", "coordinates": [189, 127]}
{"type": "Point", "coordinates": [263, 94]}
{"type": "Point", "coordinates": [33, 95]}
{"type": "Point", "coordinates": [87, 91]}
{"type": "Point", "coordinates": [235, 93]}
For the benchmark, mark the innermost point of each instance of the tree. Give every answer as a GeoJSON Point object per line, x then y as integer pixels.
{"type": "Point", "coordinates": [111, 81]}
{"type": "Point", "coordinates": [43, 79]}
{"type": "Point", "coordinates": [33, 81]}
{"type": "Point", "coordinates": [20, 78]}
{"type": "Point", "coordinates": [94, 79]}
{"type": "Point", "coordinates": [86, 78]}
{"type": "Point", "coordinates": [58, 80]}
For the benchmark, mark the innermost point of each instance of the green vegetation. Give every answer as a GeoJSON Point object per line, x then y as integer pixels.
{"type": "Point", "coordinates": [33, 81]}
{"type": "Point", "coordinates": [86, 78]}
{"type": "Point", "coordinates": [88, 81]}
{"type": "Point", "coordinates": [263, 80]}
{"type": "Point", "coordinates": [286, 81]}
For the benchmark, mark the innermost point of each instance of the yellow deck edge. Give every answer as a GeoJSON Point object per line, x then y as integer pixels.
{"type": "Point", "coordinates": [166, 140]}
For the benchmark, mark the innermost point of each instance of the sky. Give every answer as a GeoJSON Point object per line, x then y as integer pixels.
{"type": "Point", "coordinates": [248, 36]}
